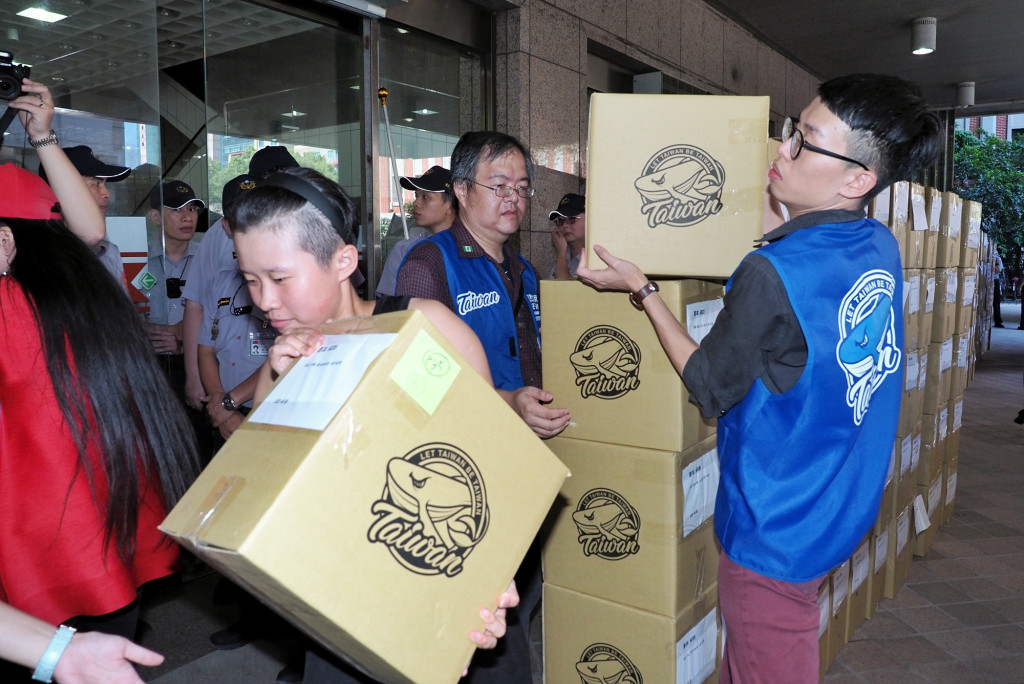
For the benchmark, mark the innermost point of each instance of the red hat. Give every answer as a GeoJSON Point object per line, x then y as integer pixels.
{"type": "Point", "coordinates": [25, 195]}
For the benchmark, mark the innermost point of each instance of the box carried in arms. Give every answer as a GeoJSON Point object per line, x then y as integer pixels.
{"type": "Point", "coordinates": [378, 498]}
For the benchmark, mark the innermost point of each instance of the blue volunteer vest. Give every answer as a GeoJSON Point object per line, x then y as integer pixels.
{"type": "Point", "coordinates": [803, 471]}
{"type": "Point", "coordinates": [482, 301]}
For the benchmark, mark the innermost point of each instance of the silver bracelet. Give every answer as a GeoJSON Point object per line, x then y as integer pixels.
{"type": "Point", "coordinates": [48, 662]}
{"type": "Point", "coordinates": [43, 142]}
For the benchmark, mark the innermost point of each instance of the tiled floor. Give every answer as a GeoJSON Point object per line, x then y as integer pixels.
{"type": "Point", "coordinates": [958, 619]}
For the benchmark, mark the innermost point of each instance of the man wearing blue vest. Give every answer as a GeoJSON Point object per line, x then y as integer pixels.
{"type": "Point", "coordinates": [803, 369]}
{"type": "Point", "coordinates": [472, 270]}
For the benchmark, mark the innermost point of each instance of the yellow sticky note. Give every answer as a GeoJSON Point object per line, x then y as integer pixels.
{"type": "Point", "coordinates": [426, 372]}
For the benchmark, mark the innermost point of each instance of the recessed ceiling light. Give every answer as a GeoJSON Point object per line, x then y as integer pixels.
{"type": "Point", "coordinates": [424, 111]}
{"type": "Point", "coordinates": [401, 30]}
{"type": "Point", "coordinates": [409, 118]}
{"type": "Point", "coordinates": [294, 114]}
{"type": "Point", "coordinates": [41, 14]}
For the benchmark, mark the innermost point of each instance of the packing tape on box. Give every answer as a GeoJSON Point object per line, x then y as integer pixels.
{"type": "Point", "coordinates": [220, 497]}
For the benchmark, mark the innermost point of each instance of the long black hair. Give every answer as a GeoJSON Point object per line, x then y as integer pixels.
{"type": "Point", "coordinates": [111, 392]}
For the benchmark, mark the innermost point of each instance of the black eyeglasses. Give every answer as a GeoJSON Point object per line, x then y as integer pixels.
{"type": "Point", "coordinates": [562, 220]}
{"type": "Point", "coordinates": [797, 143]}
{"type": "Point", "coordinates": [504, 191]}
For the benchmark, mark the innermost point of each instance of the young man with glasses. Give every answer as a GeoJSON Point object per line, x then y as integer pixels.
{"type": "Point", "coordinates": [568, 235]}
{"type": "Point", "coordinates": [802, 369]}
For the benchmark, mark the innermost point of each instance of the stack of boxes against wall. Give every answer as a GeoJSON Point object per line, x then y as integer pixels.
{"type": "Point", "coordinates": [944, 314]}
{"type": "Point", "coordinates": [631, 549]}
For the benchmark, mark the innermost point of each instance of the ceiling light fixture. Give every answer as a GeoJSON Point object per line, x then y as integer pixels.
{"type": "Point", "coordinates": [923, 36]}
{"type": "Point", "coordinates": [424, 111]}
{"type": "Point", "coordinates": [293, 114]}
{"type": "Point", "coordinates": [42, 14]}
{"type": "Point", "coordinates": [965, 94]}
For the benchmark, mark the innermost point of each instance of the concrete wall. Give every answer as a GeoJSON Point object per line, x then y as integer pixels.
{"type": "Point", "coordinates": [541, 77]}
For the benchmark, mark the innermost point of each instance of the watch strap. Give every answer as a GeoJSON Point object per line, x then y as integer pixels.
{"type": "Point", "coordinates": [637, 298]}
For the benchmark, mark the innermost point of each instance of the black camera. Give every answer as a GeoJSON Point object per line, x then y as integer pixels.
{"type": "Point", "coordinates": [10, 76]}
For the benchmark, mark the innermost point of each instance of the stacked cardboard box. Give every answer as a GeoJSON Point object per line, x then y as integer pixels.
{"type": "Point", "coordinates": [632, 537]}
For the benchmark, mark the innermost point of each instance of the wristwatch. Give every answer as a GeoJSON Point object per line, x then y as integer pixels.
{"type": "Point", "coordinates": [229, 403]}
{"type": "Point", "coordinates": [637, 298]}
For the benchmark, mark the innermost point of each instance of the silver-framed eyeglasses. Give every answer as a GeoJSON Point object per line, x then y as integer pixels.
{"type": "Point", "coordinates": [797, 143]}
{"type": "Point", "coordinates": [562, 220]}
{"type": "Point", "coordinates": [506, 191]}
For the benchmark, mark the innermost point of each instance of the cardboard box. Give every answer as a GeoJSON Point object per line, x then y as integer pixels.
{"type": "Point", "coordinates": [912, 401]}
{"type": "Point", "coordinates": [602, 361]}
{"type": "Point", "coordinates": [888, 494]}
{"type": "Point", "coordinates": [913, 302]}
{"type": "Point", "coordinates": [970, 233]}
{"type": "Point", "coordinates": [917, 229]}
{"type": "Point", "coordinates": [927, 514]}
{"type": "Point", "coordinates": [840, 608]}
{"type": "Point", "coordinates": [944, 309]}
{"type": "Point", "coordinates": [909, 448]}
{"type": "Point", "coordinates": [401, 507]}
{"type": "Point", "coordinates": [592, 640]}
{"type": "Point", "coordinates": [897, 564]}
{"type": "Point", "coordinates": [924, 333]}
{"type": "Point", "coordinates": [860, 590]}
{"type": "Point", "coordinates": [825, 655]}
{"type": "Point", "coordinates": [679, 190]}
{"type": "Point", "coordinates": [948, 494]}
{"type": "Point", "coordinates": [933, 211]}
{"type": "Point", "coordinates": [939, 375]}
{"type": "Point", "coordinates": [950, 223]}
{"type": "Point", "coordinates": [967, 284]}
{"type": "Point", "coordinates": [634, 526]}
{"type": "Point", "coordinates": [876, 581]}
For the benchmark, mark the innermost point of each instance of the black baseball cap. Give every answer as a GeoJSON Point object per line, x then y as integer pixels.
{"type": "Point", "coordinates": [235, 187]}
{"type": "Point", "coordinates": [434, 179]}
{"type": "Point", "coordinates": [88, 165]}
{"type": "Point", "coordinates": [269, 159]}
{"type": "Point", "coordinates": [571, 204]}
{"type": "Point", "coordinates": [176, 194]}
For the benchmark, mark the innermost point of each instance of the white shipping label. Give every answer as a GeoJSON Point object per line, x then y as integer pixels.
{"type": "Point", "coordinates": [881, 550]}
{"type": "Point", "coordinates": [840, 586]}
{"type": "Point", "coordinates": [929, 294]}
{"type": "Point", "coordinates": [901, 191]}
{"type": "Point", "coordinates": [921, 520]}
{"type": "Point", "coordinates": [917, 210]}
{"type": "Point", "coordinates": [916, 452]}
{"type": "Point", "coordinates": [317, 386]}
{"type": "Point", "coordinates": [701, 316]}
{"type": "Point", "coordinates": [922, 370]}
{"type": "Point", "coordinates": [700, 485]}
{"type": "Point", "coordinates": [823, 609]}
{"type": "Point", "coordinates": [936, 213]}
{"type": "Point", "coordinates": [913, 368]}
{"type": "Point", "coordinates": [934, 496]}
{"type": "Point", "coordinates": [881, 206]}
{"type": "Point", "coordinates": [892, 465]}
{"type": "Point", "coordinates": [958, 415]}
{"type": "Point", "coordinates": [946, 355]}
{"type": "Point", "coordinates": [915, 293]}
{"type": "Point", "coordinates": [902, 530]}
{"type": "Point", "coordinates": [970, 284]}
{"type": "Point", "coordinates": [860, 565]}
{"type": "Point", "coordinates": [974, 232]}
{"type": "Point", "coordinates": [697, 651]}
{"type": "Point", "coordinates": [906, 455]}
{"type": "Point", "coordinates": [951, 283]}
{"type": "Point", "coordinates": [962, 352]}
{"type": "Point", "coordinates": [951, 488]}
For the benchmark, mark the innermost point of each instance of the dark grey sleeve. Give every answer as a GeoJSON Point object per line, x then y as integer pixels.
{"type": "Point", "coordinates": [756, 335]}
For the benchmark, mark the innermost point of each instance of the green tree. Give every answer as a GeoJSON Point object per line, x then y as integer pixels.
{"type": "Point", "coordinates": [990, 170]}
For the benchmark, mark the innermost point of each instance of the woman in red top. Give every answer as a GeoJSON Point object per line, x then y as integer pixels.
{"type": "Point", "coordinates": [93, 447]}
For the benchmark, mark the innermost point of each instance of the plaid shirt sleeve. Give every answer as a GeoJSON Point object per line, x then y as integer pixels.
{"type": "Point", "coordinates": [423, 275]}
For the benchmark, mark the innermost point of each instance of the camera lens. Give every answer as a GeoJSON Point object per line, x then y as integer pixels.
{"type": "Point", "coordinates": [10, 86]}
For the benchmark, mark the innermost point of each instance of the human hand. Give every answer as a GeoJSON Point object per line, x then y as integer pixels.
{"type": "Point", "coordinates": [558, 241]}
{"type": "Point", "coordinates": [195, 395]}
{"type": "Point", "coordinates": [292, 345]}
{"type": "Point", "coordinates": [495, 623]}
{"type": "Point", "coordinates": [529, 402]}
{"type": "Point", "coordinates": [228, 427]}
{"type": "Point", "coordinates": [97, 658]}
{"type": "Point", "coordinates": [215, 410]}
{"type": "Point", "coordinates": [35, 109]}
{"type": "Point", "coordinates": [620, 275]}
{"type": "Point", "coordinates": [162, 338]}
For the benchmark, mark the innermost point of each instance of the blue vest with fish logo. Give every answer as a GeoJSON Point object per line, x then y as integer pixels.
{"type": "Point", "coordinates": [802, 472]}
{"type": "Point", "coordinates": [482, 301]}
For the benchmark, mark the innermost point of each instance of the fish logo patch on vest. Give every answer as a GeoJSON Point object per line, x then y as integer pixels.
{"type": "Point", "coordinates": [607, 363]}
{"type": "Point", "coordinates": [608, 526]}
{"type": "Point", "coordinates": [681, 186]}
{"type": "Point", "coordinates": [433, 511]}
{"type": "Point", "coordinates": [605, 664]}
{"type": "Point", "coordinates": [867, 351]}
